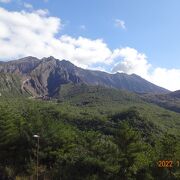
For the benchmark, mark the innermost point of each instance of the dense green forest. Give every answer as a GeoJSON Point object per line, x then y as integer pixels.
{"type": "Point", "coordinates": [89, 133]}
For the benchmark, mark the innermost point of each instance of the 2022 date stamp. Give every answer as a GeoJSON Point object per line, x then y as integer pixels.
{"type": "Point", "coordinates": [168, 163]}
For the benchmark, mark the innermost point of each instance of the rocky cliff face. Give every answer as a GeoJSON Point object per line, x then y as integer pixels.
{"type": "Point", "coordinates": [44, 77]}
{"type": "Point", "coordinates": [21, 66]}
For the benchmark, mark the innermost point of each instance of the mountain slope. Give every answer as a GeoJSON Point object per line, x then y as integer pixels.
{"type": "Point", "coordinates": [82, 95]}
{"type": "Point", "coordinates": [44, 77]}
{"type": "Point", "coordinates": [81, 127]}
{"type": "Point", "coordinates": [175, 94]}
{"type": "Point", "coordinates": [169, 101]}
{"type": "Point", "coordinates": [10, 85]}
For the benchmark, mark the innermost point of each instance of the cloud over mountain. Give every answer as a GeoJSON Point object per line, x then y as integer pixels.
{"type": "Point", "coordinates": [130, 61]}
{"type": "Point", "coordinates": [36, 33]}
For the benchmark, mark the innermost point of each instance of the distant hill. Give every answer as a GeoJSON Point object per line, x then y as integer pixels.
{"type": "Point", "coordinates": [169, 101]}
{"type": "Point", "coordinates": [44, 77]}
{"type": "Point", "coordinates": [82, 95]}
{"type": "Point", "coordinates": [175, 94]}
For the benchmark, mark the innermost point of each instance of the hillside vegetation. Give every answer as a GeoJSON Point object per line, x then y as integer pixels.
{"type": "Point", "coordinates": [88, 133]}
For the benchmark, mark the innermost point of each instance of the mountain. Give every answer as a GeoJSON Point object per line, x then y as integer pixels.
{"type": "Point", "coordinates": [86, 95]}
{"type": "Point", "coordinates": [175, 94]}
{"type": "Point", "coordinates": [169, 101]}
{"type": "Point", "coordinates": [89, 131]}
{"type": "Point", "coordinates": [44, 77]}
{"type": "Point", "coordinates": [9, 85]}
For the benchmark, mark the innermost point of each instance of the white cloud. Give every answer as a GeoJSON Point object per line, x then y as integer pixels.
{"type": "Point", "coordinates": [98, 68]}
{"type": "Point", "coordinates": [168, 78]}
{"type": "Point", "coordinates": [36, 33]}
{"type": "Point", "coordinates": [129, 60]}
{"type": "Point", "coordinates": [5, 1]}
{"type": "Point", "coordinates": [119, 23]}
{"type": "Point", "coordinates": [28, 6]}
{"type": "Point", "coordinates": [24, 33]}
{"type": "Point", "coordinates": [42, 12]}
{"type": "Point", "coordinates": [85, 52]}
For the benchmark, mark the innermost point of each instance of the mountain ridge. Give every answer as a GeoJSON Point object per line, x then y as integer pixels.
{"type": "Point", "coordinates": [169, 101]}
{"type": "Point", "coordinates": [44, 77]}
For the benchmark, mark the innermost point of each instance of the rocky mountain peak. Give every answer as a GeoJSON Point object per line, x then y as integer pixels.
{"type": "Point", "coordinates": [44, 77]}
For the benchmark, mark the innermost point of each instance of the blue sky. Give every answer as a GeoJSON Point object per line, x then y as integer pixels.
{"type": "Point", "coordinates": [145, 32]}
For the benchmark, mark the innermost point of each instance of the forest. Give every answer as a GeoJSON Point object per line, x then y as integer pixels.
{"type": "Point", "coordinates": [89, 135]}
